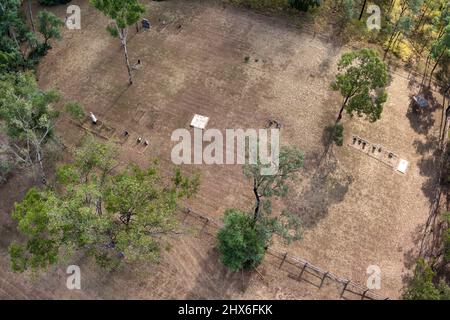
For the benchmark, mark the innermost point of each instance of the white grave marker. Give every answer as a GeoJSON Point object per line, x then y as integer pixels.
{"type": "Point", "coordinates": [199, 121]}
{"type": "Point", "coordinates": [402, 166]}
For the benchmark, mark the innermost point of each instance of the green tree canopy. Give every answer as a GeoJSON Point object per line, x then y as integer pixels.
{"type": "Point", "coordinates": [304, 5]}
{"type": "Point", "coordinates": [75, 110]}
{"type": "Point", "coordinates": [241, 243]}
{"type": "Point", "coordinates": [422, 287]}
{"type": "Point", "coordinates": [111, 216]}
{"type": "Point", "coordinates": [48, 26]}
{"type": "Point", "coordinates": [259, 226]}
{"type": "Point", "coordinates": [400, 21]}
{"type": "Point", "coordinates": [13, 33]}
{"type": "Point", "coordinates": [440, 48]}
{"type": "Point", "coordinates": [42, 247]}
{"type": "Point", "coordinates": [266, 186]}
{"type": "Point", "coordinates": [123, 13]}
{"type": "Point", "coordinates": [28, 117]}
{"type": "Point", "coordinates": [361, 80]}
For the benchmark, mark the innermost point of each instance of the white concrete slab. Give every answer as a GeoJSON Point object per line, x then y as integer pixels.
{"type": "Point", "coordinates": [402, 165]}
{"type": "Point", "coordinates": [199, 121]}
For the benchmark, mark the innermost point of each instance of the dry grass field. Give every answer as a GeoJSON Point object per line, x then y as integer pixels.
{"type": "Point", "coordinates": [356, 210]}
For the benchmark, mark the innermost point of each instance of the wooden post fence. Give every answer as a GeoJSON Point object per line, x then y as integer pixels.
{"type": "Point", "coordinates": [364, 294]}
{"type": "Point", "coordinates": [360, 290]}
{"type": "Point", "coordinates": [205, 224]}
{"type": "Point", "coordinates": [301, 273]}
{"type": "Point", "coordinates": [344, 288]}
{"type": "Point", "coordinates": [323, 279]}
{"type": "Point", "coordinates": [282, 261]}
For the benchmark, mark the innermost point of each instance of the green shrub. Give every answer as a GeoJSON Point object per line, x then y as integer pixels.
{"type": "Point", "coordinates": [422, 285]}
{"type": "Point", "coordinates": [304, 5]}
{"type": "Point", "coordinates": [38, 52]}
{"type": "Point", "coordinates": [75, 111]}
{"type": "Point", "coordinates": [241, 242]}
{"type": "Point", "coordinates": [5, 169]}
{"type": "Point", "coordinates": [14, 45]}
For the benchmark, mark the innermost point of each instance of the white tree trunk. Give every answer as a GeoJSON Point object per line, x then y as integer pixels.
{"type": "Point", "coordinates": [123, 33]}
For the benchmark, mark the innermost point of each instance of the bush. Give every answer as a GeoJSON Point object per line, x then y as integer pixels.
{"type": "Point", "coordinates": [75, 111]}
{"type": "Point", "coordinates": [5, 169]}
{"type": "Point", "coordinates": [304, 5]}
{"type": "Point", "coordinates": [13, 48]}
{"type": "Point", "coordinates": [39, 51]}
{"type": "Point", "coordinates": [241, 242]}
{"type": "Point", "coordinates": [422, 286]}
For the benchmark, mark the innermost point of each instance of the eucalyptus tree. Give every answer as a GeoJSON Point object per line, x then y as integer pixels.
{"type": "Point", "coordinates": [123, 13]}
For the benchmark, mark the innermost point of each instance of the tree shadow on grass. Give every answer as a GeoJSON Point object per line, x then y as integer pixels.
{"type": "Point", "coordinates": [216, 282]}
{"type": "Point", "coordinates": [422, 120]}
{"type": "Point", "coordinates": [429, 167]}
{"type": "Point", "coordinates": [326, 65]}
{"type": "Point", "coordinates": [430, 145]}
{"type": "Point", "coordinates": [327, 185]}
{"type": "Point", "coordinates": [429, 164]}
{"type": "Point", "coordinates": [413, 81]}
{"type": "Point", "coordinates": [428, 238]}
{"type": "Point", "coordinates": [428, 243]}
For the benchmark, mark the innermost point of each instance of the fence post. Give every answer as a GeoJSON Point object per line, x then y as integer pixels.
{"type": "Point", "coordinates": [205, 224]}
{"type": "Point", "coordinates": [301, 273]}
{"type": "Point", "coordinates": [345, 288]}
{"type": "Point", "coordinates": [323, 278]}
{"type": "Point", "coordinates": [345, 282]}
{"type": "Point", "coordinates": [282, 261]}
{"type": "Point", "coordinates": [364, 294]}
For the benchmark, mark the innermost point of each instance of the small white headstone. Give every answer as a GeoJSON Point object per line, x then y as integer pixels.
{"type": "Point", "coordinates": [199, 121]}
{"type": "Point", "coordinates": [402, 166]}
{"type": "Point", "coordinates": [93, 118]}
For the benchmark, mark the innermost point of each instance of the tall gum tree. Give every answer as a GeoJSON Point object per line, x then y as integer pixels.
{"type": "Point", "coordinates": [123, 13]}
{"type": "Point", "coordinates": [361, 80]}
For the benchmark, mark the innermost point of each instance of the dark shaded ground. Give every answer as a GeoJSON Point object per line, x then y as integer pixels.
{"type": "Point", "coordinates": [422, 120]}
{"type": "Point", "coordinates": [215, 275]}
{"type": "Point", "coordinates": [327, 185]}
{"type": "Point", "coordinates": [428, 238]}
